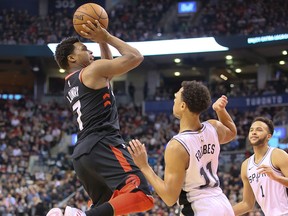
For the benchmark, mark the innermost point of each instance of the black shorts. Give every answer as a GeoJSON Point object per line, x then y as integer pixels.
{"type": "Point", "coordinates": [105, 169]}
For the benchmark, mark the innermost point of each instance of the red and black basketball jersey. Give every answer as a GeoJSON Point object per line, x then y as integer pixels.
{"type": "Point", "coordinates": [94, 110]}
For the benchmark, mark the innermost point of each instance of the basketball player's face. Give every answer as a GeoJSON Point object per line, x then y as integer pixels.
{"type": "Point", "coordinates": [259, 133]}
{"type": "Point", "coordinates": [177, 103]}
{"type": "Point", "coordinates": [83, 56]}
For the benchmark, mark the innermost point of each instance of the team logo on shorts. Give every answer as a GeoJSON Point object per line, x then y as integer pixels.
{"type": "Point", "coordinates": [133, 179]}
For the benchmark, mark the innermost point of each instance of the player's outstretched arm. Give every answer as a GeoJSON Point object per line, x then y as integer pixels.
{"type": "Point", "coordinates": [225, 127]}
{"type": "Point", "coordinates": [248, 201]}
{"type": "Point", "coordinates": [168, 189]}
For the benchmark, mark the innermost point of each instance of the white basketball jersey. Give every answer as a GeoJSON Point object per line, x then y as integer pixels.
{"type": "Point", "coordinates": [201, 178]}
{"type": "Point", "coordinates": [270, 195]}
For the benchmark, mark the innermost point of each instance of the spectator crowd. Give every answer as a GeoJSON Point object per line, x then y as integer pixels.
{"type": "Point", "coordinates": [151, 20]}
{"type": "Point", "coordinates": [29, 129]}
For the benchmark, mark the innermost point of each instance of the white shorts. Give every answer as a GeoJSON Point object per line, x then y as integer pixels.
{"type": "Point", "coordinates": [211, 206]}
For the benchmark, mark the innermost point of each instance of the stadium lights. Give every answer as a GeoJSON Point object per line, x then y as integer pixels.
{"type": "Point", "coordinates": [282, 62]}
{"type": "Point", "coordinates": [238, 70]}
{"type": "Point", "coordinates": [163, 47]}
{"type": "Point", "coordinates": [222, 76]}
{"type": "Point", "coordinates": [177, 60]}
{"type": "Point", "coordinates": [229, 57]}
{"type": "Point", "coordinates": [177, 73]}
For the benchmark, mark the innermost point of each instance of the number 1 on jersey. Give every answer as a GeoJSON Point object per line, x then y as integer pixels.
{"type": "Point", "coordinates": [262, 192]}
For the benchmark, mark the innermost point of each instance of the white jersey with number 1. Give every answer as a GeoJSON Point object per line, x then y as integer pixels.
{"type": "Point", "coordinates": [270, 195]}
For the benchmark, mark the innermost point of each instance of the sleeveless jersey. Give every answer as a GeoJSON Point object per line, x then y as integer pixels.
{"type": "Point", "coordinates": [270, 195]}
{"type": "Point", "coordinates": [201, 178]}
{"type": "Point", "coordinates": [94, 110]}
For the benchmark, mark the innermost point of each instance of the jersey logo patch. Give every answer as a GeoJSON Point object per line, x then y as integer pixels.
{"type": "Point", "coordinates": [106, 96]}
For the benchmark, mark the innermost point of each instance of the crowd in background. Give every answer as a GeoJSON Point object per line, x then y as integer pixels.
{"type": "Point", "coordinates": [31, 129]}
{"type": "Point", "coordinates": [241, 17]}
{"type": "Point", "coordinates": [144, 20]}
{"type": "Point", "coordinates": [235, 88]}
{"type": "Point", "coordinates": [28, 128]}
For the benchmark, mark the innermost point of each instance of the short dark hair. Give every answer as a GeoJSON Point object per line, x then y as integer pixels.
{"type": "Point", "coordinates": [196, 96]}
{"type": "Point", "coordinates": [267, 121]}
{"type": "Point", "coordinates": [63, 49]}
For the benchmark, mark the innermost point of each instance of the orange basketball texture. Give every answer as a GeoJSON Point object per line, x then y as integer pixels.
{"type": "Point", "coordinates": [92, 12]}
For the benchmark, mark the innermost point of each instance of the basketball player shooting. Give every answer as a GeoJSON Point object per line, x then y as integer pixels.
{"type": "Point", "coordinates": [100, 158]}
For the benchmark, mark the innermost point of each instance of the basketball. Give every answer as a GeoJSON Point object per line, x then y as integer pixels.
{"type": "Point", "coordinates": [92, 12]}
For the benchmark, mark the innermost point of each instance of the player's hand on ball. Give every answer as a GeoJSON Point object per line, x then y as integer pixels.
{"type": "Point", "coordinates": [91, 12]}
{"type": "Point", "coordinates": [94, 32]}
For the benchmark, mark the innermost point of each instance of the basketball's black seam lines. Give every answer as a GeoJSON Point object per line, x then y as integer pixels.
{"type": "Point", "coordinates": [96, 12]}
{"type": "Point", "coordinates": [100, 16]}
{"type": "Point", "coordinates": [93, 16]}
{"type": "Point", "coordinates": [88, 16]}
